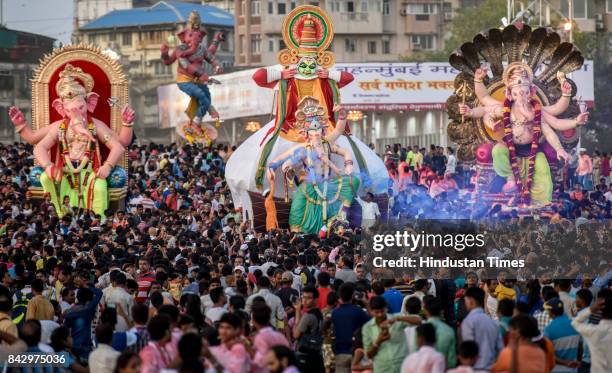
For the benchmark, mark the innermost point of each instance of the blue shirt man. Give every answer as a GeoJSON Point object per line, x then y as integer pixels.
{"type": "Point", "coordinates": [480, 328]}
{"type": "Point", "coordinates": [346, 319]}
{"type": "Point", "coordinates": [563, 336]}
{"type": "Point", "coordinates": [79, 319]}
{"type": "Point", "coordinates": [393, 297]}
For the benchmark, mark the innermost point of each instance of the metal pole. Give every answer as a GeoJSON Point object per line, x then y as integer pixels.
{"type": "Point", "coordinates": [233, 131]}
{"type": "Point", "coordinates": [571, 20]}
{"type": "Point", "coordinates": [374, 127]}
{"type": "Point", "coordinates": [508, 13]}
{"type": "Point", "coordinates": [540, 14]}
{"type": "Point", "coordinates": [364, 128]}
{"type": "Point", "coordinates": [1, 12]}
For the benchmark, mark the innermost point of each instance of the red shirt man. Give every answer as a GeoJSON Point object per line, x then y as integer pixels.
{"type": "Point", "coordinates": [323, 280]}
{"type": "Point", "coordinates": [145, 279]}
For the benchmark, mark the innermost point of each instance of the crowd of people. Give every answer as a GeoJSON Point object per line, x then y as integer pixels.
{"type": "Point", "coordinates": [179, 281]}
{"type": "Point", "coordinates": [423, 178]}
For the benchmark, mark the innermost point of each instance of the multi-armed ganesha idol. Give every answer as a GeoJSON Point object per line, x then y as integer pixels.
{"type": "Point", "coordinates": [79, 144]}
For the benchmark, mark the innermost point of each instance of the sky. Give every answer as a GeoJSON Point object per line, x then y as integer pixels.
{"type": "Point", "coordinates": [46, 17]}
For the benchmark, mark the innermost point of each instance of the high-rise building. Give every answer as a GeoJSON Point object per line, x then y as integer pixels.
{"type": "Point", "coordinates": [365, 30]}
{"type": "Point", "coordinates": [19, 55]}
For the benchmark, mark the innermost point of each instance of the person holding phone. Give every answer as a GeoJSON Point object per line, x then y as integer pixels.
{"type": "Point", "coordinates": [383, 336]}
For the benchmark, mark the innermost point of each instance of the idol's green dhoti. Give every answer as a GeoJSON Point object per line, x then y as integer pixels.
{"type": "Point", "coordinates": [90, 193]}
{"type": "Point", "coordinates": [307, 207]}
{"type": "Point", "coordinates": [541, 187]}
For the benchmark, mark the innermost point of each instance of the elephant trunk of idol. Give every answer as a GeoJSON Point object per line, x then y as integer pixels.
{"type": "Point", "coordinates": [524, 107]}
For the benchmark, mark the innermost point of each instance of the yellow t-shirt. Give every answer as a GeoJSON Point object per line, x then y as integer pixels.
{"type": "Point", "coordinates": [418, 160]}
{"type": "Point", "coordinates": [163, 163]}
{"type": "Point", "coordinates": [503, 292]}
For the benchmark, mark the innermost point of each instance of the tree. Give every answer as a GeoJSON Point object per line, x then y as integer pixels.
{"type": "Point", "coordinates": [469, 21]}
{"type": "Point", "coordinates": [587, 43]}
{"type": "Point", "coordinates": [594, 46]}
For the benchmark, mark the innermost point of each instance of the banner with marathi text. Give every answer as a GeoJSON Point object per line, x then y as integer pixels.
{"type": "Point", "coordinates": [418, 86]}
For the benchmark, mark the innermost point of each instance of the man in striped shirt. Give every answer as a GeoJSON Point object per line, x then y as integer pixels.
{"type": "Point", "coordinates": [146, 277]}
{"type": "Point", "coordinates": [564, 337]}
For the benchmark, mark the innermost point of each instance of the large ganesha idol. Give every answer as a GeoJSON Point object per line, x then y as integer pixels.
{"type": "Point", "coordinates": [79, 144]}
{"type": "Point", "coordinates": [518, 121]}
{"type": "Point", "coordinates": [319, 161]}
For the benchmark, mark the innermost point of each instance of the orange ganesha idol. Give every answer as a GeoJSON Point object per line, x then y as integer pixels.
{"type": "Point", "coordinates": [79, 155]}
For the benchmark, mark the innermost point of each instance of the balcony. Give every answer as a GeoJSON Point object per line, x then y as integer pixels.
{"type": "Point", "coordinates": [357, 22]}
{"type": "Point", "coordinates": [272, 24]}
{"type": "Point", "coordinates": [423, 23]}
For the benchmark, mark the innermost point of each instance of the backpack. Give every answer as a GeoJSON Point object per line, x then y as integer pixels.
{"type": "Point", "coordinates": [20, 307]}
{"type": "Point", "coordinates": [307, 276]}
{"type": "Point", "coordinates": [312, 340]}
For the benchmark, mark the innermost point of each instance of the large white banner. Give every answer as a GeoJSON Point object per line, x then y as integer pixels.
{"type": "Point", "coordinates": [418, 86]}
{"type": "Point", "coordinates": [377, 86]}
{"type": "Point", "coordinates": [236, 97]}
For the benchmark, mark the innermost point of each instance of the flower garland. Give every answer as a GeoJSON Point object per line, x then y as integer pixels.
{"type": "Point", "coordinates": [524, 187]}
{"type": "Point", "coordinates": [65, 151]}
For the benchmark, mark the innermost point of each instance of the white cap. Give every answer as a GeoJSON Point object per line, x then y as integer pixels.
{"type": "Point", "coordinates": [241, 268]}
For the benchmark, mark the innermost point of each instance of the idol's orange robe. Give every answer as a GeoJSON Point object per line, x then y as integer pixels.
{"type": "Point", "coordinates": [290, 93]}
{"type": "Point", "coordinates": [297, 89]}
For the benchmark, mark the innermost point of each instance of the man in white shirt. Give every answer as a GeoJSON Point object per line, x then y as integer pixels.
{"type": "Point", "coordinates": [369, 211]}
{"type": "Point", "coordinates": [273, 301]}
{"type": "Point", "coordinates": [116, 296]}
{"type": "Point", "coordinates": [608, 194]}
{"type": "Point", "coordinates": [451, 161]}
{"type": "Point", "coordinates": [104, 358]}
{"type": "Point", "coordinates": [104, 280]}
{"type": "Point", "coordinates": [214, 313]}
{"type": "Point", "coordinates": [563, 287]}
{"type": "Point", "coordinates": [598, 337]}
{"type": "Point", "coordinates": [426, 359]}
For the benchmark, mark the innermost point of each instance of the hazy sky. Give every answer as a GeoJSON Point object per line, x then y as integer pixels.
{"type": "Point", "coordinates": [46, 17]}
